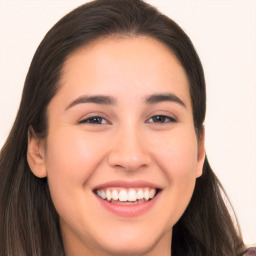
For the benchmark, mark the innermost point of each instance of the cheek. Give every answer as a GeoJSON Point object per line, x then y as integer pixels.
{"type": "Point", "coordinates": [176, 154]}
{"type": "Point", "coordinates": [177, 158]}
{"type": "Point", "coordinates": [70, 161]}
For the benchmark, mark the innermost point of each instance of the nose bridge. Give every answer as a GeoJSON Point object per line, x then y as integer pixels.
{"type": "Point", "coordinates": [129, 149]}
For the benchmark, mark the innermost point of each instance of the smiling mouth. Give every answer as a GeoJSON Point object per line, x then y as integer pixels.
{"type": "Point", "coordinates": [126, 196]}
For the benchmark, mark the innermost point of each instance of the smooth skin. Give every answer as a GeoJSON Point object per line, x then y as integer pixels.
{"type": "Point", "coordinates": [124, 137]}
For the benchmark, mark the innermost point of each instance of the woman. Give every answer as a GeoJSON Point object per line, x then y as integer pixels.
{"type": "Point", "coordinates": [106, 156]}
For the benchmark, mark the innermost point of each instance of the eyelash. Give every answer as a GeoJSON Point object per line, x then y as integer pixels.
{"type": "Point", "coordinates": [162, 119]}
{"type": "Point", "coordinates": [99, 120]}
{"type": "Point", "coordinates": [94, 120]}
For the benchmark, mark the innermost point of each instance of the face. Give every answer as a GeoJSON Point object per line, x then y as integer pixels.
{"type": "Point", "coordinates": [121, 155]}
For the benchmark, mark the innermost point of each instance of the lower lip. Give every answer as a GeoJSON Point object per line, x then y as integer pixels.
{"type": "Point", "coordinates": [128, 210]}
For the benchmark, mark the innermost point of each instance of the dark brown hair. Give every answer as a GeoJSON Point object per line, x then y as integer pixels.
{"type": "Point", "coordinates": [28, 220]}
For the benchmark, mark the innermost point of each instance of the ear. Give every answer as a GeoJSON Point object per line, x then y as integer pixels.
{"type": "Point", "coordinates": [36, 154]}
{"type": "Point", "coordinates": [200, 154]}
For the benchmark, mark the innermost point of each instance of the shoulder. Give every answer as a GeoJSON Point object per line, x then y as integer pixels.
{"type": "Point", "coordinates": [250, 252]}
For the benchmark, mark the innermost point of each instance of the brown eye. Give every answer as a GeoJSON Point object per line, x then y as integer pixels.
{"type": "Point", "coordinates": [161, 119]}
{"type": "Point", "coordinates": [94, 120]}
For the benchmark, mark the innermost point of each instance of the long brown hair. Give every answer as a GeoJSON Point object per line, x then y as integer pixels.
{"type": "Point", "coordinates": [28, 220]}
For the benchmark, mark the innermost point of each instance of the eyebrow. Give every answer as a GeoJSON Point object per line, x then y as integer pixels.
{"type": "Point", "coordinates": [97, 99]}
{"type": "Point", "coordinates": [157, 98]}
{"type": "Point", "coordinates": [111, 101]}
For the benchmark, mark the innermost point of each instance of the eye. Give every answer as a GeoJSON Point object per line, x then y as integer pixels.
{"type": "Point", "coordinates": [161, 119]}
{"type": "Point", "coordinates": [94, 120]}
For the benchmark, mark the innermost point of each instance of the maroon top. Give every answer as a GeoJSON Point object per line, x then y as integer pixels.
{"type": "Point", "coordinates": [250, 252]}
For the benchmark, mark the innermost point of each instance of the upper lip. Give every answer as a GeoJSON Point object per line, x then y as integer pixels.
{"type": "Point", "coordinates": [127, 184]}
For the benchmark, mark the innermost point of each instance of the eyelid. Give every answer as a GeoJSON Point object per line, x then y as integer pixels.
{"type": "Point", "coordinates": [171, 119]}
{"type": "Point", "coordinates": [88, 118]}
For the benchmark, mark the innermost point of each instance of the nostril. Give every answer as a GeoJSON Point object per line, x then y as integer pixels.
{"type": "Point", "coordinates": [128, 162]}
{"type": "Point", "coordinates": [128, 158]}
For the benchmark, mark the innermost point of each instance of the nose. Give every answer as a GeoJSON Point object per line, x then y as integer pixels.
{"type": "Point", "coordinates": [129, 150]}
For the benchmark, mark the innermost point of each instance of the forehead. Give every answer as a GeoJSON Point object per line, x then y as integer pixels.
{"type": "Point", "coordinates": [118, 65]}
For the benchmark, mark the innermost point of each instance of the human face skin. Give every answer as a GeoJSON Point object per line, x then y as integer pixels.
{"type": "Point", "coordinates": [140, 141]}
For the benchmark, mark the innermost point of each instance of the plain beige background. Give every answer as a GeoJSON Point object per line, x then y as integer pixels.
{"type": "Point", "coordinates": [224, 34]}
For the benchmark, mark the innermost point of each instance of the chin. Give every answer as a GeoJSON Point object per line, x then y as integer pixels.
{"type": "Point", "coordinates": [134, 243]}
{"type": "Point", "coordinates": [129, 248]}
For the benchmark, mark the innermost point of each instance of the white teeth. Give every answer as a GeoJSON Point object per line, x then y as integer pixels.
{"type": "Point", "coordinates": [115, 195]}
{"type": "Point", "coordinates": [132, 195]}
{"type": "Point", "coordinates": [124, 195]}
{"type": "Point", "coordinates": [140, 194]}
{"type": "Point", "coordinates": [152, 193]}
{"type": "Point", "coordinates": [109, 195]}
{"type": "Point", "coordinates": [103, 195]}
{"type": "Point", "coordinates": [146, 194]}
